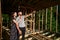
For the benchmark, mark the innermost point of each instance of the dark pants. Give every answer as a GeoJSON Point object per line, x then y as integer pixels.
{"type": "Point", "coordinates": [23, 29]}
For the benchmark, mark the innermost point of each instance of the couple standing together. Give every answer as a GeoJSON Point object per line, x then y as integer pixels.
{"type": "Point", "coordinates": [18, 26]}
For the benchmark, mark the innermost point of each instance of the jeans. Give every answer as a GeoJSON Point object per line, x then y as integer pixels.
{"type": "Point", "coordinates": [23, 29]}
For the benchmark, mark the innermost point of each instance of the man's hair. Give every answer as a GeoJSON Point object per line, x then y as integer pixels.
{"type": "Point", "coordinates": [19, 11]}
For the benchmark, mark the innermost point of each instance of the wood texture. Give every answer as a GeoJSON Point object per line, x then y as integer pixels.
{"type": "Point", "coordinates": [0, 22]}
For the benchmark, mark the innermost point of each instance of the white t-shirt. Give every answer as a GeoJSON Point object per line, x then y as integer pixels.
{"type": "Point", "coordinates": [21, 22]}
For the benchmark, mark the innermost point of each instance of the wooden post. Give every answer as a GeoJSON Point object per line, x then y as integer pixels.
{"type": "Point", "coordinates": [39, 21]}
{"type": "Point", "coordinates": [57, 18]}
{"type": "Point", "coordinates": [51, 20]}
{"type": "Point", "coordinates": [42, 18]}
{"type": "Point", "coordinates": [33, 22]}
{"type": "Point", "coordinates": [26, 21]}
{"type": "Point", "coordinates": [18, 7]}
{"type": "Point", "coordinates": [46, 18]}
{"type": "Point", "coordinates": [0, 22]}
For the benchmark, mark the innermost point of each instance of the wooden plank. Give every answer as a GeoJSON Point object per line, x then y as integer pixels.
{"type": "Point", "coordinates": [34, 22]}
{"type": "Point", "coordinates": [51, 35]}
{"type": "Point", "coordinates": [45, 37]}
{"type": "Point", "coordinates": [46, 18]}
{"type": "Point", "coordinates": [26, 22]}
{"type": "Point", "coordinates": [34, 36]}
{"type": "Point", "coordinates": [0, 22]}
{"type": "Point", "coordinates": [39, 21]}
{"type": "Point", "coordinates": [30, 34]}
{"type": "Point", "coordinates": [31, 23]}
{"type": "Point", "coordinates": [29, 20]}
{"type": "Point", "coordinates": [57, 18]}
{"type": "Point", "coordinates": [51, 20]}
{"type": "Point", "coordinates": [42, 18]}
{"type": "Point", "coordinates": [46, 33]}
{"type": "Point", "coordinates": [58, 38]}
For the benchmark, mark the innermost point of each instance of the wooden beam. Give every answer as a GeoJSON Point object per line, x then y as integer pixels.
{"type": "Point", "coordinates": [45, 4]}
{"type": "Point", "coordinates": [51, 20]}
{"type": "Point", "coordinates": [35, 2]}
{"type": "Point", "coordinates": [45, 37]}
{"type": "Point", "coordinates": [0, 22]}
{"type": "Point", "coordinates": [39, 20]}
{"type": "Point", "coordinates": [57, 18]}
{"type": "Point", "coordinates": [30, 1]}
{"type": "Point", "coordinates": [33, 22]}
{"type": "Point", "coordinates": [42, 2]}
{"type": "Point", "coordinates": [26, 22]}
{"type": "Point", "coordinates": [42, 18]}
{"type": "Point", "coordinates": [46, 18]}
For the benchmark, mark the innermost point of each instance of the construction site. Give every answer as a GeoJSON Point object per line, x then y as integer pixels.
{"type": "Point", "coordinates": [43, 24]}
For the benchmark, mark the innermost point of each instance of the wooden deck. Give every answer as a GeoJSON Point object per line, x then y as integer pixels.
{"type": "Point", "coordinates": [42, 35]}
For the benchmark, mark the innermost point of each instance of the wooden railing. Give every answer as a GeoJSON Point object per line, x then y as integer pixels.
{"type": "Point", "coordinates": [47, 34]}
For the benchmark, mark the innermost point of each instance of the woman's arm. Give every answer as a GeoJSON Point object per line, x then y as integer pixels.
{"type": "Point", "coordinates": [17, 26]}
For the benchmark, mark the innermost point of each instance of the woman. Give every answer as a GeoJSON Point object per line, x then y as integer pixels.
{"type": "Point", "coordinates": [14, 28]}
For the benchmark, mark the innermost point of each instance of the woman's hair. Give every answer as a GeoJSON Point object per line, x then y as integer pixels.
{"type": "Point", "coordinates": [12, 15]}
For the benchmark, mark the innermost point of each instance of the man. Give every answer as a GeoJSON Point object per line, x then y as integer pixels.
{"type": "Point", "coordinates": [21, 24]}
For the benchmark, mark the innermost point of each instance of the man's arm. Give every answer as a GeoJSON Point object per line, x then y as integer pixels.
{"type": "Point", "coordinates": [28, 15]}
